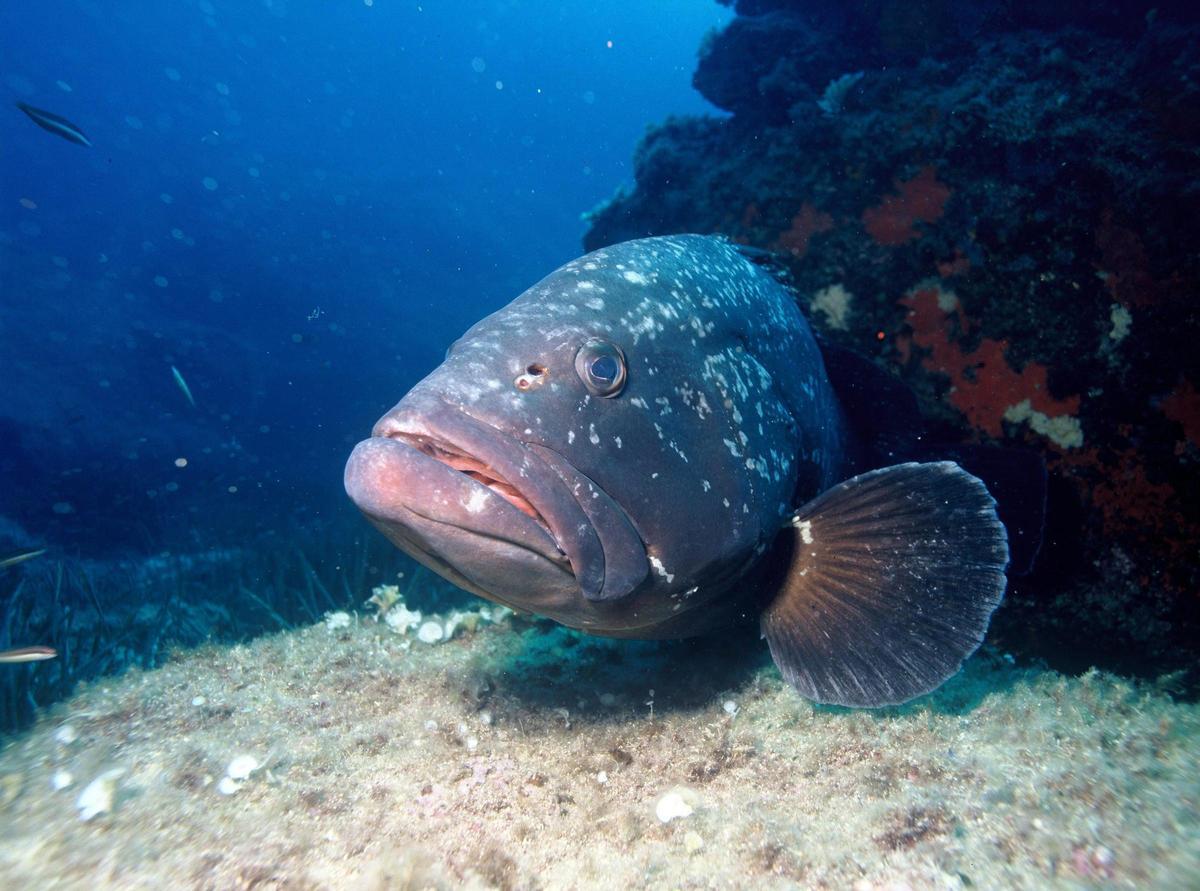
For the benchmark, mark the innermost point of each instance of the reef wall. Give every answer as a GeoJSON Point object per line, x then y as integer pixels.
{"type": "Point", "coordinates": [999, 206]}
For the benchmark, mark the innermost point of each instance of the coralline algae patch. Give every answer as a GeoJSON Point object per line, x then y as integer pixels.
{"type": "Point", "coordinates": [921, 199]}
{"type": "Point", "coordinates": [983, 384]}
{"type": "Point", "coordinates": [524, 756]}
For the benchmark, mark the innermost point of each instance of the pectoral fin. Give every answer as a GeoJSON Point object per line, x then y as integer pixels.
{"type": "Point", "coordinates": [892, 579]}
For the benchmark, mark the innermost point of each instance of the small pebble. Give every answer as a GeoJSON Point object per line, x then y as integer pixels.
{"type": "Point", "coordinates": [241, 767]}
{"type": "Point", "coordinates": [99, 795]}
{"type": "Point", "coordinates": [602, 777]}
{"type": "Point", "coordinates": [692, 842]}
{"type": "Point", "coordinates": [198, 700]}
{"type": "Point", "coordinates": [730, 707]}
{"type": "Point", "coordinates": [228, 786]}
{"type": "Point", "coordinates": [66, 734]}
{"type": "Point", "coordinates": [672, 807]}
{"type": "Point", "coordinates": [61, 780]}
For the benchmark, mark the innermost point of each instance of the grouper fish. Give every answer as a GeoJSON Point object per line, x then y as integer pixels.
{"type": "Point", "coordinates": [648, 443]}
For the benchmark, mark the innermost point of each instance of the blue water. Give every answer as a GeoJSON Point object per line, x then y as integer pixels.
{"type": "Point", "coordinates": [296, 205]}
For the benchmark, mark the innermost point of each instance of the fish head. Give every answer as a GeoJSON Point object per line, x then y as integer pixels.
{"type": "Point", "coordinates": [605, 450]}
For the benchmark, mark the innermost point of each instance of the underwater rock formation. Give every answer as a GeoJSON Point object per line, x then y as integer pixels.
{"type": "Point", "coordinates": [996, 206]}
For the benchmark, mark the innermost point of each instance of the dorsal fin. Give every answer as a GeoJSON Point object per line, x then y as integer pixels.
{"type": "Point", "coordinates": [773, 263]}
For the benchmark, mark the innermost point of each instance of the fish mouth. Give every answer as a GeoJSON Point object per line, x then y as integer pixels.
{"type": "Point", "coordinates": [474, 504]}
{"type": "Point", "coordinates": [509, 520]}
{"type": "Point", "coordinates": [473, 468]}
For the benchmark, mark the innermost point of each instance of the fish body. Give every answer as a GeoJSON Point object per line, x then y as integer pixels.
{"type": "Point", "coordinates": [55, 124]}
{"type": "Point", "coordinates": [631, 448]}
{"type": "Point", "coordinates": [27, 654]}
{"type": "Point", "coordinates": [20, 557]}
{"type": "Point", "coordinates": [183, 386]}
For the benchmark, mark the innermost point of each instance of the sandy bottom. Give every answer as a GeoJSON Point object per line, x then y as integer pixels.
{"type": "Point", "coordinates": [525, 756]}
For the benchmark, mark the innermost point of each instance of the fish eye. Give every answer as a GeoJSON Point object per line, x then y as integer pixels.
{"type": "Point", "coordinates": [601, 367]}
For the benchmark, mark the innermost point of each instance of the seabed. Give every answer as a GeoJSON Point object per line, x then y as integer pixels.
{"type": "Point", "coordinates": [521, 755]}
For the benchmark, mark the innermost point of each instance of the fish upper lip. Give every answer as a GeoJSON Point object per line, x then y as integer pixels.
{"type": "Point", "coordinates": [419, 436]}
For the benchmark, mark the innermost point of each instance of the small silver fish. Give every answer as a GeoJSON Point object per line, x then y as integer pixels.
{"type": "Point", "coordinates": [20, 557]}
{"type": "Point", "coordinates": [59, 126]}
{"type": "Point", "coordinates": [27, 654]}
{"type": "Point", "coordinates": [183, 385]}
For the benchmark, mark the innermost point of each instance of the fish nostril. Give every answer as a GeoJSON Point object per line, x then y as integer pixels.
{"type": "Point", "coordinates": [535, 374]}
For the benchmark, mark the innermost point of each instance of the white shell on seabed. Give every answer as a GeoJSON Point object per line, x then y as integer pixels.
{"type": "Point", "coordinates": [673, 806]}
{"type": "Point", "coordinates": [99, 795]}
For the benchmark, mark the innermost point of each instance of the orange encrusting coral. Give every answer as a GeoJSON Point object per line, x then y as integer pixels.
{"type": "Point", "coordinates": [807, 223]}
{"type": "Point", "coordinates": [983, 385]}
{"type": "Point", "coordinates": [921, 199]}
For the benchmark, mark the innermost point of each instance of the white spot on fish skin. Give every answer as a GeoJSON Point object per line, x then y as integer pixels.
{"type": "Point", "coordinates": [617, 440]}
{"type": "Point", "coordinates": [634, 278]}
{"type": "Point", "coordinates": [477, 501]}
{"type": "Point", "coordinates": [661, 570]}
{"type": "Point", "coordinates": [585, 286]}
{"type": "Point", "coordinates": [805, 527]}
{"type": "Point", "coordinates": [593, 436]}
{"type": "Point", "coordinates": [595, 303]}
{"type": "Point", "coordinates": [570, 436]}
{"type": "Point", "coordinates": [706, 484]}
